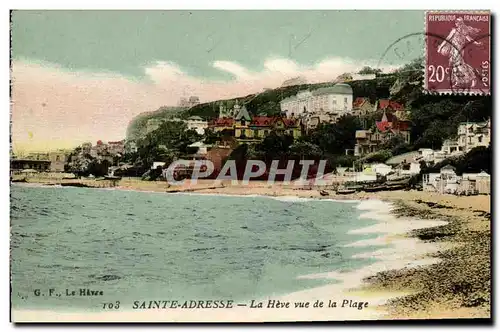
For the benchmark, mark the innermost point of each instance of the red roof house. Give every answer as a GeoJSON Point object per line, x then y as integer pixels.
{"type": "Point", "coordinates": [222, 122]}
{"type": "Point", "coordinates": [390, 122]}
{"type": "Point", "coordinates": [266, 121]}
{"type": "Point", "coordinates": [359, 102]}
{"type": "Point", "coordinates": [386, 104]}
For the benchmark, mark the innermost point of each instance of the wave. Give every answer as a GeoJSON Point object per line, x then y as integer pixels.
{"type": "Point", "coordinates": [375, 205]}
{"type": "Point", "coordinates": [388, 224]}
{"type": "Point", "coordinates": [308, 199]}
{"type": "Point", "coordinates": [36, 185]}
{"type": "Point", "coordinates": [292, 199]}
{"type": "Point", "coordinates": [397, 252]}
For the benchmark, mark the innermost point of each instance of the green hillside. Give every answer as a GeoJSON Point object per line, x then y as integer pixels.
{"type": "Point", "coordinates": [264, 103]}
{"type": "Point", "coordinates": [137, 126]}
{"type": "Point", "coordinates": [268, 102]}
{"type": "Point", "coordinates": [434, 117]}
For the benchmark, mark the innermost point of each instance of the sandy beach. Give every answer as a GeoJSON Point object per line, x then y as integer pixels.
{"type": "Point", "coordinates": [438, 264]}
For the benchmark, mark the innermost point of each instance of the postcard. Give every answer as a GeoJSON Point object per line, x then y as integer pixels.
{"type": "Point", "coordinates": [250, 166]}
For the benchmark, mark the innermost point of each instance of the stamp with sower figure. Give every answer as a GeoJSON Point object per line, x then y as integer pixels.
{"type": "Point", "coordinates": [457, 52]}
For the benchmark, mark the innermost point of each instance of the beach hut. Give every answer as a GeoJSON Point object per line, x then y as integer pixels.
{"type": "Point", "coordinates": [430, 182]}
{"type": "Point", "coordinates": [483, 183]}
{"type": "Point", "coordinates": [29, 171]}
{"type": "Point", "coordinates": [448, 180]}
{"type": "Point", "coordinates": [467, 184]}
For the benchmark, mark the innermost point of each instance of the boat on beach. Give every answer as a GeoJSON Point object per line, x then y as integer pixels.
{"type": "Point", "coordinates": [112, 177]}
{"type": "Point", "coordinates": [75, 184]}
{"type": "Point", "coordinates": [345, 191]}
{"type": "Point", "coordinates": [375, 188]}
{"type": "Point", "coordinates": [23, 180]}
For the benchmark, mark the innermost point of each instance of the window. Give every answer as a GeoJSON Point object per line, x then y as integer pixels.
{"type": "Point", "coordinates": [242, 122]}
{"type": "Point", "coordinates": [480, 139]}
{"type": "Point", "coordinates": [345, 100]}
{"type": "Point", "coordinates": [58, 158]}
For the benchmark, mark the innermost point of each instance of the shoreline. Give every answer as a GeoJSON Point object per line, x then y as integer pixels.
{"type": "Point", "coordinates": [458, 284]}
{"type": "Point", "coordinates": [398, 285]}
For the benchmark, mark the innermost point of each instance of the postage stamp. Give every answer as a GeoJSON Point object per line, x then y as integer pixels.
{"type": "Point", "coordinates": [192, 166]}
{"type": "Point", "coordinates": [457, 53]}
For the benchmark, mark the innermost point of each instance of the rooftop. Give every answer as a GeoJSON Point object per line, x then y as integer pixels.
{"type": "Point", "coordinates": [227, 122]}
{"type": "Point", "coordinates": [199, 144]}
{"type": "Point", "coordinates": [360, 101]}
{"type": "Point", "coordinates": [195, 118]}
{"type": "Point", "coordinates": [340, 88]}
{"type": "Point", "coordinates": [389, 104]}
{"type": "Point", "coordinates": [448, 167]}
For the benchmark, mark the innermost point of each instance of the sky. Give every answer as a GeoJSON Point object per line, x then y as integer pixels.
{"type": "Point", "coordinates": [81, 76]}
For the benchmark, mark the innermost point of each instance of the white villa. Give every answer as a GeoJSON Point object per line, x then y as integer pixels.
{"type": "Point", "coordinates": [320, 105]}
{"type": "Point", "coordinates": [469, 135]}
{"type": "Point", "coordinates": [197, 123]}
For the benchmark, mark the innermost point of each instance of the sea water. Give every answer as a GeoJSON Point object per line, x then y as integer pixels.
{"type": "Point", "coordinates": [142, 246]}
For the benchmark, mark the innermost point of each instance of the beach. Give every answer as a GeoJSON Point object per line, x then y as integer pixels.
{"type": "Point", "coordinates": [438, 265]}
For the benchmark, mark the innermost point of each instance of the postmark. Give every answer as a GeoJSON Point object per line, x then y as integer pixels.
{"type": "Point", "coordinates": [457, 62]}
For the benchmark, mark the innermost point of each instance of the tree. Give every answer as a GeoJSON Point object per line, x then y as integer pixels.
{"type": "Point", "coordinates": [376, 157]}
{"type": "Point", "coordinates": [98, 167]}
{"type": "Point", "coordinates": [168, 142]}
{"type": "Point", "coordinates": [275, 146]}
{"type": "Point", "coordinates": [396, 145]}
{"type": "Point", "coordinates": [344, 77]}
{"type": "Point", "coordinates": [409, 79]}
{"type": "Point", "coordinates": [211, 137]}
{"type": "Point", "coordinates": [305, 150]}
{"type": "Point", "coordinates": [369, 70]}
{"type": "Point", "coordinates": [335, 138]}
